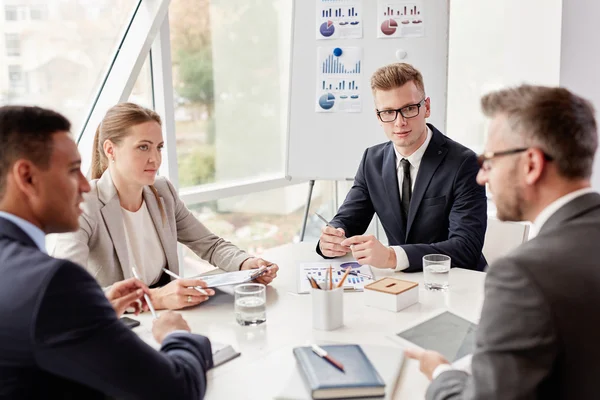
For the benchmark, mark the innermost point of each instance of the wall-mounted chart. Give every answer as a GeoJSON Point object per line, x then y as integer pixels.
{"type": "Point", "coordinates": [339, 79]}
{"type": "Point", "coordinates": [339, 19]}
{"type": "Point", "coordinates": [399, 18]}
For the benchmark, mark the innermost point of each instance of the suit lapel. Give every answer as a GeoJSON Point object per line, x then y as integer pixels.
{"type": "Point", "coordinates": [113, 218]}
{"type": "Point", "coordinates": [162, 229]}
{"type": "Point", "coordinates": [390, 182]}
{"type": "Point", "coordinates": [434, 154]}
{"type": "Point", "coordinates": [573, 209]}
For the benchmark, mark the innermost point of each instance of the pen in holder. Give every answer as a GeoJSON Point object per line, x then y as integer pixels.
{"type": "Point", "coordinates": [327, 309]}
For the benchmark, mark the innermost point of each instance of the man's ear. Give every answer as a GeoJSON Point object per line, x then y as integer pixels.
{"type": "Point", "coordinates": [534, 165]}
{"type": "Point", "coordinates": [25, 176]}
{"type": "Point", "coordinates": [427, 107]}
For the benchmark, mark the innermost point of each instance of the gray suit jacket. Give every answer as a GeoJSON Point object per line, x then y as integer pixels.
{"type": "Point", "coordinates": [538, 336]}
{"type": "Point", "coordinates": [99, 244]}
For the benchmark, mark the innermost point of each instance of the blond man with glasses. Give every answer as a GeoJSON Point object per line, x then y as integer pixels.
{"type": "Point", "coordinates": [420, 183]}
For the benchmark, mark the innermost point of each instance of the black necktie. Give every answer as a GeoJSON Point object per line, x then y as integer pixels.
{"type": "Point", "coordinates": [406, 186]}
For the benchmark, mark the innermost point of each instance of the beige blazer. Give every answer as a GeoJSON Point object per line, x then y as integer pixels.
{"type": "Point", "coordinates": [100, 247]}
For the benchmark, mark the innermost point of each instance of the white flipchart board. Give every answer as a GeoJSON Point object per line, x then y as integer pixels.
{"type": "Point", "coordinates": [329, 146]}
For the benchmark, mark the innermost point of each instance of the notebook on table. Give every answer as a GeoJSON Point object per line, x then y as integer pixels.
{"type": "Point", "coordinates": [387, 361]}
{"type": "Point", "coordinates": [324, 381]}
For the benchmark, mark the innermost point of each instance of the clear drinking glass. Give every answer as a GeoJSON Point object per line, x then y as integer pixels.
{"type": "Point", "coordinates": [250, 304]}
{"type": "Point", "coordinates": [436, 271]}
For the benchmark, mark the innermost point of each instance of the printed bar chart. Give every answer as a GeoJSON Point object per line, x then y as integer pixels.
{"type": "Point", "coordinates": [339, 84]}
{"type": "Point", "coordinates": [403, 11]}
{"type": "Point", "coordinates": [339, 13]}
{"type": "Point", "coordinates": [332, 65]}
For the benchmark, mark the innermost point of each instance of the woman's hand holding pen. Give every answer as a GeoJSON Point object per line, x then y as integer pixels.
{"type": "Point", "coordinates": [128, 293]}
{"type": "Point", "coordinates": [179, 293]}
{"type": "Point", "coordinates": [330, 240]}
{"type": "Point", "coordinates": [254, 263]}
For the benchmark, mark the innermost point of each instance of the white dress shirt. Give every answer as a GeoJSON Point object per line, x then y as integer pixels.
{"type": "Point", "coordinates": [415, 162]}
{"type": "Point", "coordinates": [36, 234]}
{"type": "Point", "coordinates": [539, 221]}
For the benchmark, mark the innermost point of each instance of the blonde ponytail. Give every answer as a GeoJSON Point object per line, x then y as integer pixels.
{"type": "Point", "coordinates": [98, 157]}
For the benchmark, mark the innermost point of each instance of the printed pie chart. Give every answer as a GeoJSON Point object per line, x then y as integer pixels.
{"type": "Point", "coordinates": [351, 264]}
{"type": "Point", "coordinates": [388, 27]}
{"type": "Point", "coordinates": [327, 101]}
{"type": "Point", "coordinates": [327, 28]}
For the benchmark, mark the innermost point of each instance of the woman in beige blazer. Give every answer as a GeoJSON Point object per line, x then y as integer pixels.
{"type": "Point", "coordinates": [131, 217]}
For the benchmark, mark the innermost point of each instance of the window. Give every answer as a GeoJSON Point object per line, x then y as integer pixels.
{"type": "Point", "coordinates": [142, 92]}
{"type": "Point", "coordinates": [13, 44]}
{"type": "Point", "coordinates": [10, 13]}
{"type": "Point", "coordinates": [38, 12]}
{"type": "Point", "coordinates": [260, 221]}
{"type": "Point", "coordinates": [515, 42]}
{"type": "Point", "coordinates": [231, 88]}
{"type": "Point", "coordinates": [64, 53]}
{"type": "Point", "coordinates": [15, 77]}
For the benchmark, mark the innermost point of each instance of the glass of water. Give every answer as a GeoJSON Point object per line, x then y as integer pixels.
{"type": "Point", "coordinates": [250, 304]}
{"type": "Point", "coordinates": [436, 271]}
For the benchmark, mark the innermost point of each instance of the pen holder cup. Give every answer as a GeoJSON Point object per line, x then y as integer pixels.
{"type": "Point", "coordinates": [327, 309]}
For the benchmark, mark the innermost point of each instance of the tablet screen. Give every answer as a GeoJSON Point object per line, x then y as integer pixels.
{"type": "Point", "coordinates": [447, 333]}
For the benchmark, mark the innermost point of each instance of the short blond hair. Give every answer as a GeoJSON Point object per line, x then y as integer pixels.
{"type": "Point", "coordinates": [395, 75]}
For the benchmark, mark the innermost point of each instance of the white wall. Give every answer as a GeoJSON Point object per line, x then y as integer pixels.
{"type": "Point", "coordinates": [580, 56]}
{"type": "Point", "coordinates": [494, 44]}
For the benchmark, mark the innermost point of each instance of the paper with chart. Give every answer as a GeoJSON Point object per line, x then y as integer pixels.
{"type": "Point", "coordinates": [339, 19]}
{"type": "Point", "coordinates": [400, 18]}
{"type": "Point", "coordinates": [360, 276]}
{"type": "Point", "coordinates": [339, 79]}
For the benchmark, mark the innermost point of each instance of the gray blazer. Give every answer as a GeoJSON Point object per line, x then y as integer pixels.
{"type": "Point", "coordinates": [538, 336]}
{"type": "Point", "coordinates": [99, 244]}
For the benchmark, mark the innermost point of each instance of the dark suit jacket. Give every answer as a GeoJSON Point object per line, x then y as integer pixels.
{"type": "Point", "coordinates": [539, 327]}
{"type": "Point", "coordinates": [60, 337]}
{"type": "Point", "coordinates": [448, 209]}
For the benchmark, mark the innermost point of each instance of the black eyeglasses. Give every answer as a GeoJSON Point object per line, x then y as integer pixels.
{"type": "Point", "coordinates": [409, 111]}
{"type": "Point", "coordinates": [483, 158]}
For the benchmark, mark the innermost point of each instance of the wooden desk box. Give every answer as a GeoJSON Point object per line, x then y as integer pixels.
{"type": "Point", "coordinates": [391, 294]}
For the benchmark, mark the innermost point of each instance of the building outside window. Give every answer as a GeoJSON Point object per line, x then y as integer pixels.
{"type": "Point", "coordinates": [13, 44]}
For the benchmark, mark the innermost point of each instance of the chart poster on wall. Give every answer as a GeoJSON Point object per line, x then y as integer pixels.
{"type": "Point", "coordinates": [339, 19]}
{"type": "Point", "coordinates": [339, 79]}
{"type": "Point", "coordinates": [400, 18]}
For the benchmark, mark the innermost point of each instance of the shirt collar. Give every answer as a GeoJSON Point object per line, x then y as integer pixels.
{"type": "Point", "coordinates": [36, 234]}
{"type": "Point", "coordinates": [553, 207]}
{"type": "Point", "coordinates": [415, 158]}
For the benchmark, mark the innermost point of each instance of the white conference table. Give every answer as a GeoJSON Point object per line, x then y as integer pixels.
{"type": "Point", "coordinates": [267, 361]}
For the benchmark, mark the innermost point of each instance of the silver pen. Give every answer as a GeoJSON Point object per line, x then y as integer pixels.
{"type": "Point", "coordinates": [174, 275]}
{"type": "Point", "coordinates": [146, 297]}
{"type": "Point", "coordinates": [322, 219]}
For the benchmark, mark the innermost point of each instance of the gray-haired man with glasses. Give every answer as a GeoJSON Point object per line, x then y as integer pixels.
{"type": "Point", "coordinates": [420, 184]}
{"type": "Point", "coordinates": [538, 333]}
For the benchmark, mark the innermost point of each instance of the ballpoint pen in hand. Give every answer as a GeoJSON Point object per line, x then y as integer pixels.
{"type": "Point", "coordinates": [174, 275]}
{"type": "Point", "coordinates": [323, 354]}
{"type": "Point", "coordinates": [322, 219]}
{"type": "Point", "coordinates": [146, 297]}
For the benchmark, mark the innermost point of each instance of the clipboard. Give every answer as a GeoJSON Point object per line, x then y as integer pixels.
{"type": "Point", "coordinates": [232, 278]}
